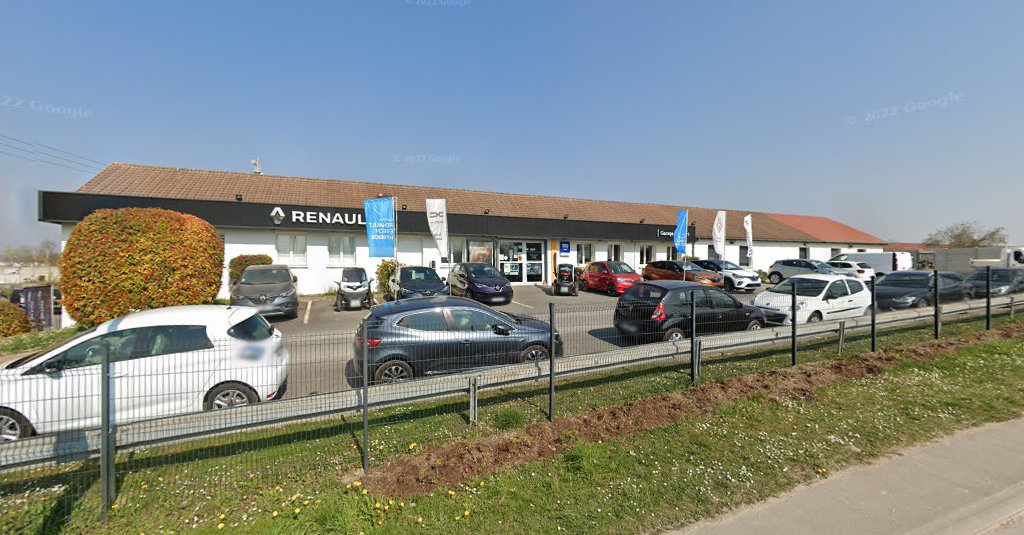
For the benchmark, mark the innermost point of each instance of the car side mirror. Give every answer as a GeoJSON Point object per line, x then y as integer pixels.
{"type": "Point", "coordinates": [52, 366]}
{"type": "Point", "coordinates": [295, 279]}
{"type": "Point", "coordinates": [501, 330]}
{"type": "Point", "coordinates": [444, 279]}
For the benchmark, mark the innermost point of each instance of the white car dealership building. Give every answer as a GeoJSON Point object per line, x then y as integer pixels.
{"type": "Point", "coordinates": [316, 226]}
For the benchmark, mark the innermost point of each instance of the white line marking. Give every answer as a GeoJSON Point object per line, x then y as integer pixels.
{"type": "Point", "coordinates": [522, 305]}
{"type": "Point", "coordinates": [309, 306]}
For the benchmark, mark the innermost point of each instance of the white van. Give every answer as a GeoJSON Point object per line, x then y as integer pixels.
{"type": "Point", "coordinates": [882, 263]}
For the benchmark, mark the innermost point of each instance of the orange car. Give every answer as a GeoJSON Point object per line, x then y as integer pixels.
{"type": "Point", "coordinates": [683, 271]}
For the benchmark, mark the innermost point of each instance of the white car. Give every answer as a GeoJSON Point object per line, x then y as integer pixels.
{"type": "Point", "coordinates": [165, 361]}
{"type": "Point", "coordinates": [818, 297]}
{"type": "Point", "coordinates": [736, 277]}
{"type": "Point", "coordinates": [859, 270]}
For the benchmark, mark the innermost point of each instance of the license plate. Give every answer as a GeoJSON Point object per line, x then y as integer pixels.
{"type": "Point", "coordinates": [629, 327]}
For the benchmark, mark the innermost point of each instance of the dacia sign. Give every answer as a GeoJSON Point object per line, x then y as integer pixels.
{"type": "Point", "coordinates": [278, 215]}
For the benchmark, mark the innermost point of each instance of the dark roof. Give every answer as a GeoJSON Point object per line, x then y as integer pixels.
{"type": "Point", "coordinates": [420, 303]}
{"type": "Point", "coordinates": [673, 284]}
{"type": "Point", "coordinates": [136, 180]}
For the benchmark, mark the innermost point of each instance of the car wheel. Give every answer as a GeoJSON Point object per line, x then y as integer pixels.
{"type": "Point", "coordinates": [775, 277]}
{"type": "Point", "coordinates": [228, 395]}
{"type": "Point", "coordinates": [923, 303]}
{"type": "Point", "coordinates": [674, 334]}
{"type": "Point", "coordinates": [534, 353]}
{"type": "Point", "coordinates": [14, 426]}
{"type": "Point", "coordinates": [729, 286]}
{"type": "Point", "coordinates": [393, 371]}
{"type": "Point", "coordinates": [611, 290]}
{"type": "Point", "coordinates": [337, 305]}
{"type": "Point", "coordinates": [754, 326]}
{"type": "Point", "coordinates": [815, 318]}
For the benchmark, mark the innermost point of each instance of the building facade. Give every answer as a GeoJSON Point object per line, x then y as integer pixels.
{"type": "Point", "coordinates": [316, 226]}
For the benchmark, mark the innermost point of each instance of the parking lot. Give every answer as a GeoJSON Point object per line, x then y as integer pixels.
{"type": "Point", "coordinates": [321, 341]}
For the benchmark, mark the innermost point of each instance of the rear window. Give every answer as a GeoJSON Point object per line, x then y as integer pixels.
{"type": "Point", "coordinates": [424, 321]}
{"type": "Point", "coordinates": [862, 265]}
{"type": "Point", "coordinates": [804, 287]}
{"type": "Point", "coordinates": [643, 293]}
{"type": "Point", "coordinates": [253, 328]}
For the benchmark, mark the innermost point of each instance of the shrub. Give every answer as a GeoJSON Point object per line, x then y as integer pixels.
{"type": "Point", "coordinates": [238, 264]}
{"type": "Point", "coordinates": [384, 272]}
{"type": "Point", "coordinates": [763, 274]}
{"type": "Point", "coordinates": [13, 320]}
{"type": "Point", "coordinates": [119, 261]}
{"type": "Point", "coordinates": [509, 418]}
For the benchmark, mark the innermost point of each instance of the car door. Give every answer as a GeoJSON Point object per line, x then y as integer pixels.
{"type": "Point", "coordinates": [729, 314]}
{"type": "Point", "coordinates": [790, 268]}
{"type": "Point", "coordinates": [459, 280]}
{"type": "Point", "coordinates": [478, 343]}
{"type": "Point", "coordinates": [950, 288]}
{"type": "Point", "coordinates": [169, 372]}
{"type": "Point", "coordinates": [655, 270]}
{"type": "Point", "coordinates": [705, 309]}
{"type": "Point", "coordinates": [860, 295]}
{"type": "Point", "coordinates": [599, 277]}
{"type": "Point", "coordinates": [427, 341]}
{"type": "Point", "coordinates": [838, 302]}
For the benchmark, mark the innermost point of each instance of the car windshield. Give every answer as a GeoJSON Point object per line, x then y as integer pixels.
{"type": "Point", "coordinates": [997, 276]}
{"type": "Point", "coordinates": [818, 264]}
{"type": "Point", "coordinates": [804, 287]}
{"type": "Point", "coordinates": [482, 271]}
{"type": "Point", "coordinates": [728, 265]}
{"type": "Point", "coordinates": [619, 268]}
{"type": "Point", "coordinates": [353, 275]}
{"type": "Point", "coordinates": [266, 276]}
{"type": "Point", "coordinates": [419, 274]}
{"type": "Point", "coordinates": [839, 264]}
{"type": "Point", "coordinates": [901, 280]}
{"type": "Point", "coordinates": [35, 355]}
{"type": "Point", "coordinates": [689, 266]}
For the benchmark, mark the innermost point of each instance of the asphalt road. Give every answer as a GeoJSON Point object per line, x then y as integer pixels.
{"type": "Point", "coordinates": [321, 341]}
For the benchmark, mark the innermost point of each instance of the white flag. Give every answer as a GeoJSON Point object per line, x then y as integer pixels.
{"type": "Point", "coordinates": [748, 224]}
{"type": "Point", "coordinates": [437, 220]}
{"type": "Point", "coordinates": [718, 233]}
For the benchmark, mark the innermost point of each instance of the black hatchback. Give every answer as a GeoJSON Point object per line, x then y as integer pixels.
{"type": "Point", "coordinates": [433, 335]}
{"type": "Point", "coordinates": [661, 310]}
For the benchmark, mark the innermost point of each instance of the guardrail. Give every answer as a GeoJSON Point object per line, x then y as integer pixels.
{"type": "Point", "coordinates": [84, 443]}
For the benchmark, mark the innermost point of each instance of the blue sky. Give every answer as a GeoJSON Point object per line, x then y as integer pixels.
{"type": "Point", "coordinates": [894, 117]}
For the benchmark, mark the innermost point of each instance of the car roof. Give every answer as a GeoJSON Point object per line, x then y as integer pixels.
{"type": "Point", "coordinates": [421, 303]}
{"type": "Point", "coordinates": [182, 315]}
{"type": "Point", "coordinates": [822, 276]}
{"type": "Point", "coordinates": [672, 284]}
{"type": "Point", "coordinates": [415, 267]}
{"type": "Point", "coordinates": [266, 266]}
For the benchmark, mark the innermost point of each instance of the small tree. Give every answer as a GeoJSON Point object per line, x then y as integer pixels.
{"type": "Point", "coordinates": [13, 320]}
{"type": "Point", "coordinates": [238, 264]}
{"type": "Point", "coordinates": [385, 270]}
{"type": "Point", "coordinates": [120, 261]}
{"type": "Point", "coordinates": [966, 234]}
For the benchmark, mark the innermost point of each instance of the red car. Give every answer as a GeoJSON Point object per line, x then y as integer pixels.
{"type": "Point", "coordinates": [612, 277]}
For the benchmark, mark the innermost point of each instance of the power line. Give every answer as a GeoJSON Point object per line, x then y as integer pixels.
{"type": "Point", "coordinates": [81, 166]}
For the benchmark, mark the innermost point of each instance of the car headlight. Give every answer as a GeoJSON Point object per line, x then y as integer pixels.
{"type": "Point", "coordinates": [1000, 290]}
{"type": "Point", "coordinates": [482, 286]}
{"type": "Point", "coordinates": [288, 293]}
{"type": "Point", "coordinates": [905, 299]}
{"type": "Point", "coordinates": [621, 280]}
{"type": "Point", "coordinates": [405, 291]}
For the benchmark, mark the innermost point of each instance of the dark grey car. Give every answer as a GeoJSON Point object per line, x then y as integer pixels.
{"type": "Point", "coordinates": [432, 335]}
{"type": "Point", "coordinates": [271, 289]}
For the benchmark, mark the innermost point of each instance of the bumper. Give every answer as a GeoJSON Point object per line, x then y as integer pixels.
{"type": "Point", "coordinates": [278, 306]}
{"type": "Point", "coordinates": [782, 317]}
{"type": "Point", "coordinates": [746, 284]}
{"type": "Point", "coordinates": [503, 296]}
{"type": "Point", "coordinates": [623, 286]}
{"type": "Point", "coordinates": [706, 282]}
{"type": "Point", "coordinates": [889, 304]}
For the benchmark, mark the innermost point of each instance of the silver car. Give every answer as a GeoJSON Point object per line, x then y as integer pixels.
{"type": "Point", "coordinates": [784, 269]}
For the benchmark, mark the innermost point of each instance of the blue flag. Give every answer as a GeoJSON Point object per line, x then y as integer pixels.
{"type": "Point", "coordinates": [679, 238]}
{"type": "Point", "coordinates": [380, 226]}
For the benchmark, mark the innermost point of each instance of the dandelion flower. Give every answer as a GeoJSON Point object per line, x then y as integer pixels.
{"type": "Point", "coordinates": [412, 446]}
{"type": "Point", "coordinates": [451, 493]}
{"type": "Point", "coordinates": [357, 483]}
{"type": "Point", "coordinates": [466, 512]}
{"type": "Point", "coordinates": [222, 516]}
{"type": "Point", "coordinates": [377, 505]}
{"type": "Point", "coordinates": [274, 514]}
{"type": "Point", "coordinates": [364, 492]}
{"type": "Point", "coordinates": [220, 526]}
{"type": "Point", "coordinates": [419, 520]}
{"type": "Point", "coordinates": [298, 510]}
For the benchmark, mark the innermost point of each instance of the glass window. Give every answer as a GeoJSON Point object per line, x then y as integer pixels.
{"type": "Point", "coordinates": [614, 252]}
{"type": "Point", "coordinates": [838, 289]}
{"type": "Point", "coordinates": [721, 299]}
{"type": "Point", "coordinates": [805, 253]}
{"type": "Point", "coordinates": [744, 255]}
{"type": "Point", "coordinates": [703, 299]}
{"type": "Point", "coordinates": [418, 274]}
{"type": "Point", "coordinates": [432, 320]}
{"type": "Point", "coordinates": [643, 293]}
{"type": "Point", "coordinates": [471, 320]}
{"type": "Point", "coordinates": [713, 254]}
{"type": "Point", "coordinates": [584, 253]}
{"type": "Point", "coordinates": [353, 275]}
{"type": "Point", "coordinates": [600, 268]}
{"type": "Point", "coordinates": [167, 339]}
{"type": "Point", "coordinates": [260, 275]}
{"type": "Point", "coordinates": [900, 280]}
{"type": "Point", "coordinates": [90, 352]}
{"type": "Point", "coordinates": [646, 254]}
{"type": "Point", "coordinates": [291, 249]}
{"type": "Point", "coordinates": [341, 250]}
{"type": "Point", "coordinates": [855, 286]}
{"type": "Point", "coordinates": [835, 252]}
{"type": "Point", "coordinates": [482, 271]}
{"type": "Point", "coordinates": [619, 268]}
{"type": "Point", "coordinates": [671, 253]}
{"type": "Point", "coordinates": [253, 328]}
{"type": "Point", "coordinates": [804, 287]}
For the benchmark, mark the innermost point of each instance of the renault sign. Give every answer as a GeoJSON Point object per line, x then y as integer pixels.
{"type": "Point", "coordinates": [277, 215]}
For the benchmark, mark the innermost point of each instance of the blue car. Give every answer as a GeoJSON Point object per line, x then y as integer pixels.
{"type": "Point", "coordinates": [480, 282]}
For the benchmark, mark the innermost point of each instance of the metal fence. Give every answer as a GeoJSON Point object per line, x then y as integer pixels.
{"type": "Point", "coordinates": [147, 400]}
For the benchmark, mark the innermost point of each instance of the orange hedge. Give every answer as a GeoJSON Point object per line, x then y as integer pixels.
{"type": "Point", "coordinates": [238, 264]}
{"type": "Point", "coordinates": [120, 261]}
{"type": "Point", "coordinates": [13, 320]}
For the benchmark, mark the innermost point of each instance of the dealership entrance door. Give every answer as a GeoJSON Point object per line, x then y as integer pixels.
{"type": "Point", "coordinates": [521, 261]}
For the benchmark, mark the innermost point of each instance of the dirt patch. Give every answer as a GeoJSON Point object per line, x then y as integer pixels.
{"type": "Point", "coordinates": [452, 464]}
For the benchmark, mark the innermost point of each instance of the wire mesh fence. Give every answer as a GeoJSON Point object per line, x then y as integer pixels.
{"type": "Point", "coordinates": [198, 414]}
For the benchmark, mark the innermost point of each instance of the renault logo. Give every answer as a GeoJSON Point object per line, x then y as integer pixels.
{"type": "Point", "coordinates": [277, 215]}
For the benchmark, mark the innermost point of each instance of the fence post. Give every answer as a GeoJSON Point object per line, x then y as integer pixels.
{"type": "Point", "coordinates": [988, 298]}
{"type": "Point", "coordinates": [551, 362]}
{"type": "Point", "coordinates": [842, 336]}
{"type": "Point", "coordinates": [366, 393]}
{"type": "Point", "coordinates": [694, 351]}
{"type": "Point", "coordinates": [474, 406]}
{"type": "Point", "coordinates": [874, 318]}
{"type": "Point", "coordinates": [935, 303]}
{"type": "Point", "coordinates": [108, 438]}
{"type": "Point", "coordinates": [792, 322]}
{"type": "Point", "coordinates": [1011, 306]}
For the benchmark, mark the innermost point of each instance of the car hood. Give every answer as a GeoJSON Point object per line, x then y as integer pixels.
{"type": "Point", "coordinates": [261, 289]}
{"type": "Point", "coordinates": [742, 272]}
{"type": "Point", "coordinates": [889, 292]}
{"type": "Point", "coordinates": [531, 324]}
{"type": "Point", "coordinates": [423, 286]}
{"type": "Point", "coordinates": [630, 276]}
{"type": "Point", "coordinates": [778, 301]}
{"type": "Point", "coordinates": [489, 281]}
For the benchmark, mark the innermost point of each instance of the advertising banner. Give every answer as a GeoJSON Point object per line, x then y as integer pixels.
{"type": "Point", "coordinates": [679, 237]}
{"type": "Point", "coordinates": [718, 233]}
{"type": "Point", "coordinates": [380, 226]}
{"type": "Point", "coordinates": [437, 219]}
{"type": "Point", "coordinates": [748, 224]}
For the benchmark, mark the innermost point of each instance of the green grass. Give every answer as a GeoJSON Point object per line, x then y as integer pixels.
{"type": "Point", "coordinates": [35, 340]}
{"type": "Point", "coordinates": [509, 418]}
{"type": "Point", "coordinates": [181, 486]}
